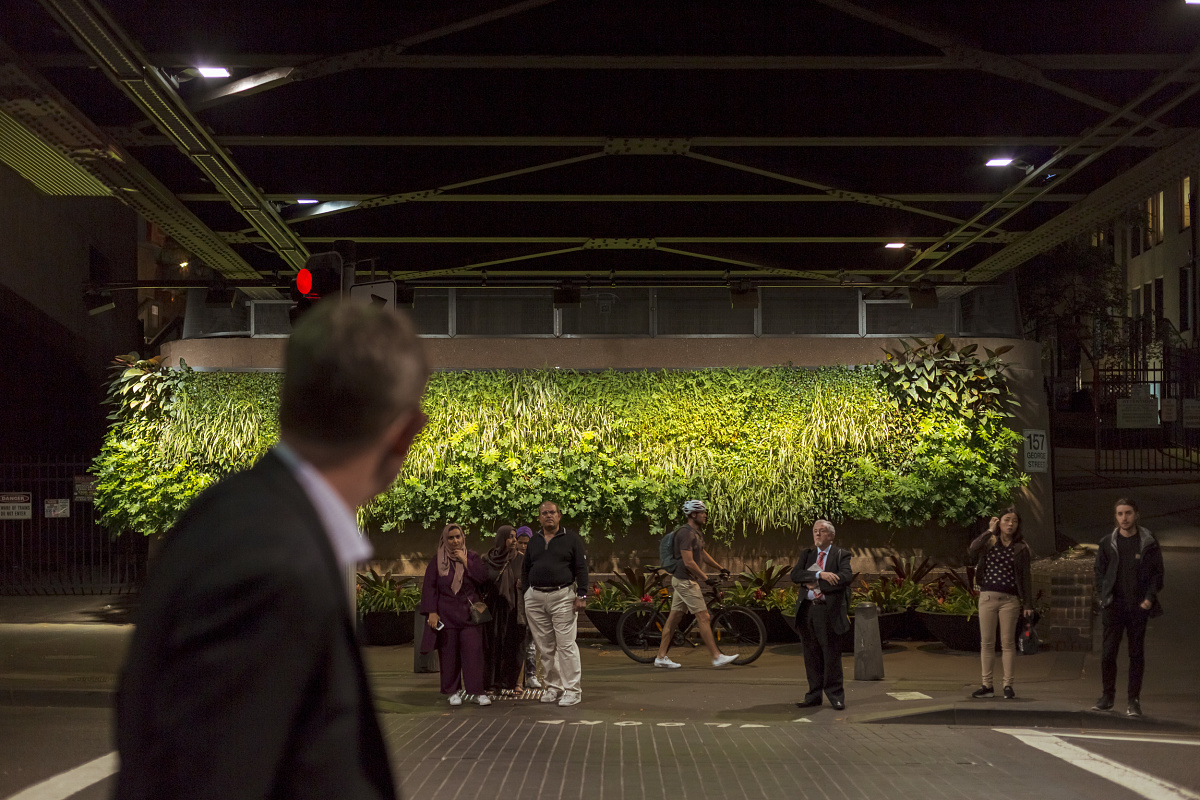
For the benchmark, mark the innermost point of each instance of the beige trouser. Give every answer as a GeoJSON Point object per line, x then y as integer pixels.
{"type": "Point", "coordinates": [553, 623]}
{"type": "Point", "coordinates": [1006, 608]}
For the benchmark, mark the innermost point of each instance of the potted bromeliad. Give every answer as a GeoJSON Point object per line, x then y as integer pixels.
{"type": "Point", "coordinates": [385, 604]}
{"type": "Point", "coordinates": [897, 597]}
{"type": "Point", "coordinates": [758, 591]}
{"type": "Point", "coordinates": [607, 602]}
{"type": "Point", "coordinates": [949, 607]}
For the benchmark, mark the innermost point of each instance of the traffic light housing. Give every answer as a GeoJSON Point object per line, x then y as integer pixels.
{"type": "Point", "coordinates": [320, 277]}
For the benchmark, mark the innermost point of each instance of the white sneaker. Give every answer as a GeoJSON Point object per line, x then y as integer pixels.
{"type": "Point", "coordinates": [456, 699]}
{"type": "Point", "coordinates": [549, 696]}
{"type": "Point", "coordinates": [570, 699]}
{"type": "Point", "coordinates": [531, 682]}
{"type": "Point", "coordinates": [483, 700]}
{"type": "Point", "coordinates": [721, 661]}
{"type": "Point", "coordinates": [667, 663]}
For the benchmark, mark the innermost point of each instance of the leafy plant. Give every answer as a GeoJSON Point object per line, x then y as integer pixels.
{"type": "Point", "coordinates": [939, 376]}
{"type": "Point", "coordinates": [765, 578]}
{"type": "Point", "coordinates": [636, 586]}
{"type": "Point", "coordinates": [740, 594]}
{"type": "Point", "coordinates": [143, 389]}
{"type": "Point", "coordinates": [784, 600]}
{"type": "Point", "coordinates": [386, 592]}
{"type": "Point", "coordinates": [907, 569]}
{"type": "Point", "coordinates": [889, 594]}
{"type": "Point", "coordinates": [951, 593]}
{"type": "Point", "coordinates": [608, 598]}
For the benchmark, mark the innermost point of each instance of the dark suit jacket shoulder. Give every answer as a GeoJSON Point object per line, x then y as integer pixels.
{"type": "Point", "coordinates": [243, 677]}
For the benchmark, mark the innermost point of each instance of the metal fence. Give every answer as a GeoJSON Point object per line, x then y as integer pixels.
{"type": "Point", "coordinates": [1148, 414]}
{"type": "Point", "coordinates": [49, 540]}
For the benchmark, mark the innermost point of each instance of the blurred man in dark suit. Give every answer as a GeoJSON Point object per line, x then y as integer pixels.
{"type": "Point", "coordinates": [244, 679]}
{"type": "Point", "coordinates": [823, 576]}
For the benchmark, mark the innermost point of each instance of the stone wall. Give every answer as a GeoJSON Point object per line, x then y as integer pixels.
{"type": "Point", "coordinates": [1067, 584]}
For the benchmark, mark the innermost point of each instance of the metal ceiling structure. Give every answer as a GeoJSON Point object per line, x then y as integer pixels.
{"type": "Point", "coordinates": [609, 142]}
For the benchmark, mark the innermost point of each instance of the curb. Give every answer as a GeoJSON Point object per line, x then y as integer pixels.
{"type": "Point", "coordinates": [973, 715]}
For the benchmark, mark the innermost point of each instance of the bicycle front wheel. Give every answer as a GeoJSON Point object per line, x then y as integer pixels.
{"type": "Point", "coordinates": [639, 632]}
{"type": "Point", "coordinates": [739, 632]}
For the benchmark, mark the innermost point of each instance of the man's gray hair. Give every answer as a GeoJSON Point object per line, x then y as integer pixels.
{"type": "Point", "coordinates": [350, 371]}
{"type": "Point", "coordinates": [828, 525]}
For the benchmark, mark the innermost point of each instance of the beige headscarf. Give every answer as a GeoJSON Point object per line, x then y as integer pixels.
{"type": "Point", "coordinates": [445, 563]}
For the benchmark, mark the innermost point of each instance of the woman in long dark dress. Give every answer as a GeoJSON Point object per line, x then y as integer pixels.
{"type": "Point", "coordinates": [504, 636]}
{"type": "Point", "coordinates": [452, 583]}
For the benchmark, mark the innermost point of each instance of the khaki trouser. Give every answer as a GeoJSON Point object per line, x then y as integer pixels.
{"type": "Point", "coordinates": [553, 623]}
{"type": "Point", "coordinates": [1006, 608]}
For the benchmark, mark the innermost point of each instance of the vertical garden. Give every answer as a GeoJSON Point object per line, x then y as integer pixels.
{"type": "Point", "coordinates": [918, 438]}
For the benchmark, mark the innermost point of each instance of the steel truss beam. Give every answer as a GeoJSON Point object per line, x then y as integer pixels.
{"type": "Point", "coordinates": [292, 197]}
{"type": "Point", "coordinates": [971, 57]}
{"type": "Point", "coordinates": [127, 67]}
{"type": "Point", "coordinates": [29, 99]}
{"type": "Point", "coordinates": [1098, 208]}
{"type": "Point", "coordinates": [1023, 193]}
{"type": "Point", "coordinates": [132, 137]}
{"type": "Point", "coordinates": [331, 65]}
{"type": "Point", "coordinates": [1117, 62]}
{"type": "Point", "coordinates": [237, 237]}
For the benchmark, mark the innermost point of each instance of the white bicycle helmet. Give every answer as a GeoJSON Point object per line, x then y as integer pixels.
{"type": "Point", "coordinates": [692, 506]}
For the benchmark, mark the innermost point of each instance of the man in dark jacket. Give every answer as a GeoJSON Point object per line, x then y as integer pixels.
{"type": "Point", "coordinates": [243, 678]}
{"type": "Point", "coordinates": [823, 575]}
{"type": "Point", "coordinates": [1129, 576]}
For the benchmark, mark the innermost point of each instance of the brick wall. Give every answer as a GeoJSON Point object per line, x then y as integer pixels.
{"type": "Point", "coordinates": [1067, 585]}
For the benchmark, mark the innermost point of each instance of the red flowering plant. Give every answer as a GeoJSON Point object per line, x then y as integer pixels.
{"type": "Point", "coordinates": [625, 589]}
{"type": "Point", "coordinates": [951, 593]}
{"type": "Point", "coordinates": [756, 588]}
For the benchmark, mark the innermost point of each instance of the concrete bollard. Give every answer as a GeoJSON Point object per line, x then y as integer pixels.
{"type": "Point", "coordinates": [868, 651]}
{"type": "Point", "coordinates": [426, 663]}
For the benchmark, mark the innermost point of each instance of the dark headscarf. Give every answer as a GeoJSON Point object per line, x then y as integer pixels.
{"type": "Point", "coordinates": [500, 558]}
{"type": "Point", "coordinates": [502, 551]}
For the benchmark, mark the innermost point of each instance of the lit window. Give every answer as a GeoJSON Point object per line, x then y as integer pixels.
{"type": "Point", "coordinates": [1157, 217]}
{"type": "Point", "coordinates": [1185, 203]}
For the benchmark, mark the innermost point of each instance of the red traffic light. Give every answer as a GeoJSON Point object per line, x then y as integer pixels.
{"type": "Point", "coordinates": [304, 281]}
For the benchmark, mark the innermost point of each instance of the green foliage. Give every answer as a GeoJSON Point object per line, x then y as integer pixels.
{"type": "Point", "coordinates": [765, 447]}
{"type": "Point", "coordinates": [386, 592]}
{"type": "Point", "coordinates": [936, 375]}
{"type": "Point", "coordinates": [637, 586]}
{"type": "Point", "coordinates": [953, 473]}
{"type": "Point", "coordinates": [765, 578]}
{"type": "Point", "coordinates": [890, 594]}
{"type": "Point", "coordinates": [784, 600]}
{"type": "Point", "coordinates": [952, 593]}
{"type": "Point", "coordinates": [609, 598]}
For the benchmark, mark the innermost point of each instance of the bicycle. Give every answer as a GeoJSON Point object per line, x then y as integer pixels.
{"type": "Point", "coordinates": [736, 629]}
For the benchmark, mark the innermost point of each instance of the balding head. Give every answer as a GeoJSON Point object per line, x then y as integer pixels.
{"type": "Point", "coordinates": [351, 370]}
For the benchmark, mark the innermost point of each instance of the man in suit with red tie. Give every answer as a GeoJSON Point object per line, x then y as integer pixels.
{"type": "Point", "coordinates": [823, 575]}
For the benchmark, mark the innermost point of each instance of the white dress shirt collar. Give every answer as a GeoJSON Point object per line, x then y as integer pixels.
{"type": "Point", "coordinates": [341, 526]}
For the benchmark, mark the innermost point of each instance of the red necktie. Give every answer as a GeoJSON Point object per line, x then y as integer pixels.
{"type": "Point", "coordinates": [817, 595]}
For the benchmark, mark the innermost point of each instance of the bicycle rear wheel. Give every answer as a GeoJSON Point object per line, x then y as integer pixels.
{"type": "Point", "coordinates": [639, 632]}
{"type": "Point", "coordinates": [739, 632]}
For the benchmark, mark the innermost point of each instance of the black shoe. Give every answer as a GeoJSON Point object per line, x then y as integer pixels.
{"type": "Point", "coordinates": [1135, 708]}
{"type": "Point", "coordinates": [984, 691]}
{"type": "Point", "coordinates": [1009, 694]}
{"type": "Point", "coordinates": [809, 703]}
{"type": "Point", "coordinates": [1105, 703]}
{"type": "Point", "coordinates": [838, 705]}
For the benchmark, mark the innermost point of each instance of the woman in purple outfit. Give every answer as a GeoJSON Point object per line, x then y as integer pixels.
{"type": "Point", "coordinates": [452, 582]}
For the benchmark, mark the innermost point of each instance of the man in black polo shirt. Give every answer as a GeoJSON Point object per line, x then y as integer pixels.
{"type": "Point", "coordinates": [555, 576]}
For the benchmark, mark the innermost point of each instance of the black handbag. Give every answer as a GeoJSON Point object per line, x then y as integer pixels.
{"type": "Point", "coordinates": [480, 613]}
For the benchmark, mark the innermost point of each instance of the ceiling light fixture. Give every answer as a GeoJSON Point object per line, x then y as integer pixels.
{"type": "Point", "coordinates": [213, 72]}
{"type": "Point", "coordinates": [999, 162]}
{"type": "Point", "coordinates": [1011, 162]}
{"type": "Point", "coordinates": [183, 264]}
{"type": "Point", "coordinates": [894, 245]}
{"type": "Point", "coordinates": [306, 201]}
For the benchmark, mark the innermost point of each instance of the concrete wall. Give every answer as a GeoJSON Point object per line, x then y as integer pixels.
{"type": "Point", "coordinates": [408, 552]}
{"type": "Point", "coordinates": [57, 355]}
